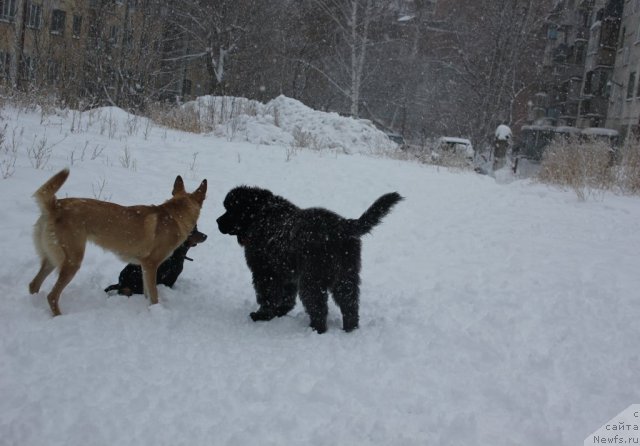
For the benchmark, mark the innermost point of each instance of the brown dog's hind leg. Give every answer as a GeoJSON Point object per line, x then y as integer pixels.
{"type": "Point", "coordinates": [46, 267]}
{"type": "Point", "coordinates": [67, 271]}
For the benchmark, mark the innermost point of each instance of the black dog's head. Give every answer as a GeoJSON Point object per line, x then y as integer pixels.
{"type": "Point", "coordinates": [243, 206]}
{"type": "Point", "coordinates": [195, 237]}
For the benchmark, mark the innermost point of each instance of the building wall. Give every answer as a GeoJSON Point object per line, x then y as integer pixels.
{"type": "Point", "coordinates": [93, 47]}
{"type": "Point", "coordinates": [598, 65]}
{"type": "Point", "coordinates": [578, 61]}
{"type": "Point", "coordinates": [582, 40]}
{"type": "Point", "coordinates": [624, 103]}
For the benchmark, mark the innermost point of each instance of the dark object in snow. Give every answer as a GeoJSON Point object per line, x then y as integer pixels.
{"type": "Point", "coordinates": [130, 279]}
{"type": "Point", "coordinates": [294, 251]}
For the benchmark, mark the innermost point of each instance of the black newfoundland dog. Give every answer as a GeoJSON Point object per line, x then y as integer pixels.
{"type": "Point", "coordinates": [294, 251]}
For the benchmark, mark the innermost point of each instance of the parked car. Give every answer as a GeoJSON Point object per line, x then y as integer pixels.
{"type": "Point", "coordinates": [392, 135]}
{"type": "Point", "coordinates": [457, 146]}
{"type": "Point", "coordinates": [397, 138]}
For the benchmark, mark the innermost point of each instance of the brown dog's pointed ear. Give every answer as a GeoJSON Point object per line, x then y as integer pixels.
{"type": "Point", "coordinates": [201, 192]}
{"type": "Point", "coordinates": [178, 186]}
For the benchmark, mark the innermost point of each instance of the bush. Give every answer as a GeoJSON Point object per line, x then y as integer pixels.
{"type": "Point", "coordinates": [629, 170]}
{"type": "Point", "coordinates": [584, 166]}
{"type": "Point", "coordinates": [176, 117]}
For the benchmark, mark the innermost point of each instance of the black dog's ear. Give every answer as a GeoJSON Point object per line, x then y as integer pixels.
{"type": "Point", "coordinates": [178, 186]}
{"type": "Point", "coordinates": [263, 195]}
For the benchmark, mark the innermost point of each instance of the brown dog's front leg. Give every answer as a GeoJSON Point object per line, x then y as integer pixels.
{"type": "Point", "coordinates": [149, 274]}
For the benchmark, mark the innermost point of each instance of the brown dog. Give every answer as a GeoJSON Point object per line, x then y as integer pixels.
{"type": "Point", "coordinates": [144, 235]}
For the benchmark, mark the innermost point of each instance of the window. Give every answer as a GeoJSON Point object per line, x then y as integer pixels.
{"type": "Point", "coordinates": [580, 50]}
{"type": "Point", "coordinates": [586, 16]}
{"type": "Point", "coordinates": [594, 39]}
{"type": "Point", "coordinates": [127, 39]}
{"type": "Point", "coordinates": [5, 64]}
{"type": "Point", "coordinates": [631, 85]}
{"type": "Point", "coordinates": [113, 35]}
{"type": "Point", "coordinates": [77, 25]}
{"type": "Point", "coordinates": [603, 80]}
{"type": "Point", "coordinates": [611, 36]}
{"type": "Point", "coordinates": [28, 68]}
{"type": "Point", "coordinates": [588, 81]}
{"type": "Point", "coordinates": [58, 18]}
{"type": "Point", "coordinates": [34, 16]}
{"type": "Point", "coordinates": [53, 71]}
{"type": "Point", "coordinates": [7, 10]}
{"type": "Point", "coordinates": [638, 91]}
{"type": "Point", "coordinates": [625, 56]}
{"type": "Point", "coordinates": [623, 31]}
{"type": "Point", "coordinates": [552, 32]}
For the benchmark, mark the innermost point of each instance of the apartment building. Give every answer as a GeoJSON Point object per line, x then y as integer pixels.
{"type": "Point", "coordinates": [592, 67]}
{"type": "Point", "coordinates": [578, 63]}
{"type": "Point", "coordinates": [115, 51]}
{"type": "Point", "coordinates": [624, 100]}
{"type": "Point", "coordinates": [599, 63]}
{"type": "Point", "coordinates": [563, 63]}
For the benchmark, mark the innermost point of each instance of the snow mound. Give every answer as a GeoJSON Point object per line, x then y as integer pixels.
{"type": "Point", "coordinates": [287, 122]}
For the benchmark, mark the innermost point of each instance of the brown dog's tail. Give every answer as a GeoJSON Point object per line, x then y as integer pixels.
{"type": "Point", "coordinates": [46, 195]}
{"type": "Point", "coordinates": [374, 215]}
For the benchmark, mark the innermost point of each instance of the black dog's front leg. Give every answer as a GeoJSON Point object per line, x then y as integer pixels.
{"type": "Point", "coordinates": [275, 298]}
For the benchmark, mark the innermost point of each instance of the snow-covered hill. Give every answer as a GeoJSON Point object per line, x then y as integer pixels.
{"type": "Point", "coordinates": [287, 122]}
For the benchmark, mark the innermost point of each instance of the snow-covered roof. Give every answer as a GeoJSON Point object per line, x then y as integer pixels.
{"type": "Point", "coordinates": [566, 129]}
{"type": "Point", "coordinates": [589, 131]}
{"type": "Point", "coordinates": [406, 18]}
{"type": "Point", "coordinates": [453, 140]}
{"type": "Point", "coordinates": [599, 131]}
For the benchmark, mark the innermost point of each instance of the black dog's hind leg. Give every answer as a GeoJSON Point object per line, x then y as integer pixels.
{"type": "Point", "coordinates": [346, 294]}
{"type": "Point", "coordinates": [346, 288]}
{"type": "Point", "coordinates": [314, 298]}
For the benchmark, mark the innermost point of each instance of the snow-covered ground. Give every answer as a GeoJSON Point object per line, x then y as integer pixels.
{"type": "Point", "coordinates": [491, 314]}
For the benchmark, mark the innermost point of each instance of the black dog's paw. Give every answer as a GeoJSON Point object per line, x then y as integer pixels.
{"type": "Point", "coordinates": [261, 316]}
{"type": "Point", "coordinates": [349, 329]}
{"type": "Point", "coordinates": [319, 328]}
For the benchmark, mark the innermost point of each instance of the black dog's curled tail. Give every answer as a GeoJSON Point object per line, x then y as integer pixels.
{"type": "Point", "coordinates": [374, 215]}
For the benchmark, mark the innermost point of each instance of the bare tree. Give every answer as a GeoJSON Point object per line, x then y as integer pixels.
{"type": "Point", "coordinates": [348, 30]}
{"type": "Point", "coordinates": [215, 30]}
{"type": "Point", "coordinates": [493, 58]}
